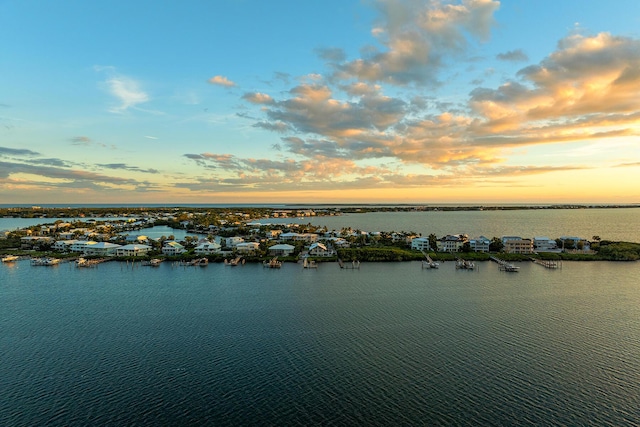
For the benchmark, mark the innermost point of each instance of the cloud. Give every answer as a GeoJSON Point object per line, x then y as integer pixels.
{"type": "Point", "coordinates": [417, 40]}
{"type": "Point", "coordinates": [150, 137]}
{"type": "Point", "coordinates": [124, 166]}
{"type": "Point", "coordinates": [80, 140]}
{"type": "Point", "coordinates": [7, 169]}
{"type": "Point", "coordinates": [127, 91]}
{"type": "Point", "coordinates": [517, 55]}
{"type": "Point", "coordinates": [221, 81]}
{"type": "Point", "coordinates": [258, 98]}
{"type": "Point", "coordinates": [6, 151]}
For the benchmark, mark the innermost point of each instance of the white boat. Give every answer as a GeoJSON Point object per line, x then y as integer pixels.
{"type": "Point", "coordinates": [10, 258]}
{"type": "Point", "coordinates": [45, 261]}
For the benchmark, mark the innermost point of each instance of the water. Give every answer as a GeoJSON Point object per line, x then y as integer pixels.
{"type": "Point", "coordinates": [621, 224]}
{"type": "Point", "coordinates": [388, 344]}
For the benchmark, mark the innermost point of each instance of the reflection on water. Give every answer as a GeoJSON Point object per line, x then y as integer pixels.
{"type": "Point", "coordinates": [387, 344]}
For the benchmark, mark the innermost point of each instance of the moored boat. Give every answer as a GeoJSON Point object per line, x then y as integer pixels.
{"type": "Point", "coordinates": [10, 258]}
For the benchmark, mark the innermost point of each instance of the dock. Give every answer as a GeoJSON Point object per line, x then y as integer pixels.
{"type": "Point", "coordinates": [505, 265]}
{"type": "Point", "coordinates": [547, 263]}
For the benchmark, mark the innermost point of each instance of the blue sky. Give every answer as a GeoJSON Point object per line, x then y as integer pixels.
{"type": "Point", "coordinates": [334, 101]}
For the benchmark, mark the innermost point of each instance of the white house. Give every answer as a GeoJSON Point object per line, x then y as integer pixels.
{"type": "Point", "coordinates": [318, 249]}
{"type": "Point", "coordinates": [480, 244]}
{"type": "Point", "coordinates": [281, 250]}
{"type": "Point", "coordinates": [172, 248]}
{"type": "Point", "coordinates": [451, 242]}
{"type": "Point", "coordinates": [63, 245]}
{"type": "Point", "coordinates": [206, 248]}
{"type": "Point", "coordinates": [132, 250]}
{"type": "Point", "coordinates": [232, 242]}
{"type": "Point", "coordinates": [544, 244]}
{"type": "Point", "coordinates": [100, 248]}
{"type": "Point", "coordinates": [247, 247]}
{"type": "Point", "coordinates": [420, 244]}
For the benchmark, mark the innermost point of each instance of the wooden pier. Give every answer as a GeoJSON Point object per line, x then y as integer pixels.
{"type": "Point", "coordinates": [547, 263]}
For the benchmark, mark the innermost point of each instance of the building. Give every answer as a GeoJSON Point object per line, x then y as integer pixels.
{"type": "Point", "coordinates": [100, 248]}
{"type": "Point", "coordinates": [232, 242]}
{"type": "Point", "coordinates": [318, 249]}
{"type": "Point", "coordinates": [133, 250]}
{"type": "Point", "coordinates": [206, 247]}
{"type": "Point", "coordinates": [247, 247]}
{"type": "Point", "coordinates": [517, 245]}
{"type": "Point", "coordinates": [420, 244]}
{"type": "Point", "coordinates": [172, 248]}
{"type": "Point", "coordinates": [63, 245]}
{"type": "Point", "coordinates": [451, 242]}
{"type": "Point", "coordinates": [281, 250]}
{"type": "Point", "coordinates": [480, 244]}
{"type": "Point", "coordinates": [544, 244]}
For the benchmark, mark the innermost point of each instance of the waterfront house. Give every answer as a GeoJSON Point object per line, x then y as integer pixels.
{"type": "Point", "coordinates": [172, 248]}
{"type": "Point", "coordinates": [544, 244]}
{"type": "Point", "coordinates": [63, 245]}
{"type": "Point", "coordinates": [517, 245]}
{"type": "Point", "coordinates": [100, 248]}
{"type": "Point", "coordinates": [232, 242]}
{"type": "Point", "coordinates": [480, 244]}
{"type": "Point", "coordinates": [318, 249]}
{"type": "Point", "coordinates": [133, 250]}
{"type": "Point", "coordinates": [281, 249]}
{"type": "Point", "coordinates": [206, 247]}
{"type": "Point", "coordinates": [298, 237]}
{"type": "Point", "coordinates": [247, 247]}
{"type": "Point", "coordinates": [451, 242]}
{"type": "Point", "coordinates": [420, 244]}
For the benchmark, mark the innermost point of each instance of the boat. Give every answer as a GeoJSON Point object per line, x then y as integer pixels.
{"type": "Point", "coordinates": [155, 262]}
{"type": "Point", "coordinates": [45, 261]}
{"type": "Point", "coordinates": [10, 258]}
{"type": "Point", "coordinates": [465, 265]}
{"type": "Point", "coordinates": [272, 263]}
{"type": "Point", "coordinates": [510, 268]}
{"type": "Point", "coordinates": [428, 262]}
{"type": "Point", "coordinates": [234, 262]}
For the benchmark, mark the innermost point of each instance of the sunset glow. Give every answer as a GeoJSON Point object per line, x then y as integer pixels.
{"type": "Point", "coordinates": [382, 101]}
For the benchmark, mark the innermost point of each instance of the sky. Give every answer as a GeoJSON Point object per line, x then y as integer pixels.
{"type": "Point", "coordinates": [332, 101]}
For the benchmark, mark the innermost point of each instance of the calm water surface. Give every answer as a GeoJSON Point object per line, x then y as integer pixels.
{"type": "Point", "coordinates": [389, 344]}
{"type": "Point", "coordinates": [612, 224]}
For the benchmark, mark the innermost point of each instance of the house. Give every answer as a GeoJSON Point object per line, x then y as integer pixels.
{"type": "Point", "coordinates": [33, 241]}
{"type": "Point", "coordinates": [299, 237]}
{"type": "Point", "coordinates": [79, 245]}
{"type": "Point", "coordinates": [232, 242]}
{"type": "Point", "coordinates": [544, 244]}
{"type": "Point", "coordinates": [133, 238]}
{"type": "Point", "coordinates": [247, 247]}
{"type": "Point", "coordinates": [318, 249]}
{"type": "Point", "coordinates": [420, 244]}
{"type": "Point", "coordinates": [206, 247]}
{"type": "Point", "coordinates": [281, 250]}
{"type": "Point", "coordinates": [480, 244]}
{"type": "Point", "coordinates": [451, 242]}
{"type": "Point", "coordinates": [517, 245]}
{"type": "Point", "coordinates": [100, 248]}
{"type": "Point", "coordinates": [63, 245]}
{"type": "Point", "coordinates": [273, 234]}
{"type": "Point", "coordinates": [172, 248]}
{"type": "Point", "coordinates": [133, 250]}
